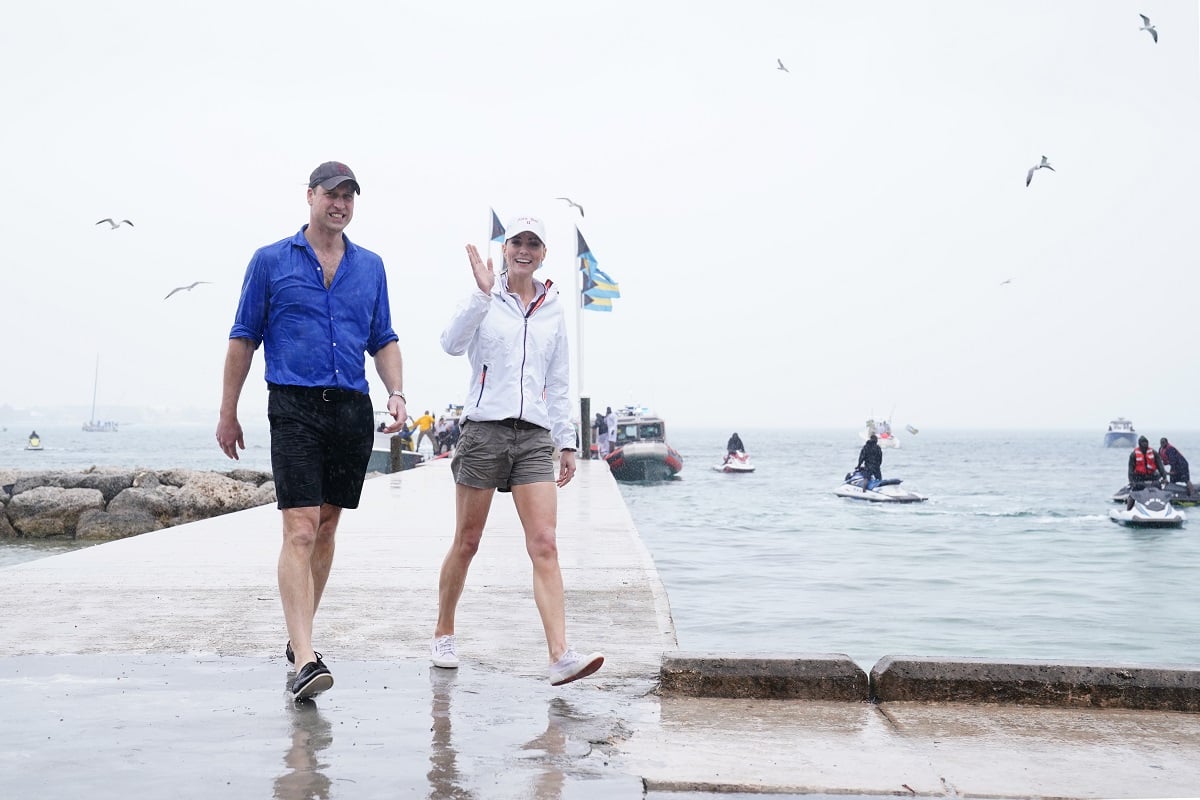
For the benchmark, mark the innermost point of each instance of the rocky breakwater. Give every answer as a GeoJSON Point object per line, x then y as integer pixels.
{"type": "Point", "coordinates": [110, 503]}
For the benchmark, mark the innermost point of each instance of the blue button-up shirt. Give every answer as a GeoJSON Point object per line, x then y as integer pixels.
{"type": "Point", "coordinates": [314, 336]}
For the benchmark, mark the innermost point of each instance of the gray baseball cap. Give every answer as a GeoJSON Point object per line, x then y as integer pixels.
{"type": "Point", "coordinates": [332, 174]}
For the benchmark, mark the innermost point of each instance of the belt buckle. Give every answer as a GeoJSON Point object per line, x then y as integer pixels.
{"type": "Point", "coordinates": [325, 395]}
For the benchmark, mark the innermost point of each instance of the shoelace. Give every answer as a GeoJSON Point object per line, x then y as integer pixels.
{"type": "Point", "coordinates": [444, 646]}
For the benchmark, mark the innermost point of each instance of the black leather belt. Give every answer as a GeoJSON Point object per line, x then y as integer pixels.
{"type": "Point", "coordinates": [515, 424]}
{"type": "Point", "coordinates": [328, 394]}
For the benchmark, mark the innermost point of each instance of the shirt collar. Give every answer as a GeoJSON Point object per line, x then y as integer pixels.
{"type": "Point", "coordinates": [299, 240]}
{"type": "Point", "coordinates": [539, 288]}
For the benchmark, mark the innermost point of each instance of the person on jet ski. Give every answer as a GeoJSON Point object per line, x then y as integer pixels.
{"type": "Point", "coordinates": [1145, 466]}
{"type": "Point", "coordinates": [734, 445]}
{"type": "Point", "coordinates": [1169, 456]}
{"type": "Point", "coordinates": [870, 460]}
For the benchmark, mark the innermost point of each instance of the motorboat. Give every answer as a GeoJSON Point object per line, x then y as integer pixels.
{"type": "Point", "coordinates": [641, 452]}
{"type": "Point", "coordinates": [1120, 433]}
{"type": "Point", "coordinates": [883, 433]}
{"type": "Point", "coordinates": [735, 462]}
{"type": "Point", "coordinates": [1149, 507]}
{"type": "Point", "coordinates": [1177, 493]}
{"type": "Point", "coordinates": [888, 490]}
{"type": "Point", "coordinates": [34, 443]}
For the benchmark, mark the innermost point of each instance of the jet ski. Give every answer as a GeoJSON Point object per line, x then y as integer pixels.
{"type": "Point", "coordinates": [1177, 493]}
{"type": "Point", "coordinates": [1148, 508]}
{"type": "Point", "coordinates": [887, 490]}
{"type": "Point", "coordinates": [735, 462]}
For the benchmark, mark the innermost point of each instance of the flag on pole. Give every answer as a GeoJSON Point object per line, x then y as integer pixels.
{"type": "Point", "coordinates": [598, 288]}
{"type": "Point", "coordinates": [497, 228]}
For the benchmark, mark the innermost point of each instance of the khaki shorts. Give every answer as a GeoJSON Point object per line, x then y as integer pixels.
{"type": "Point", "coordinates": [498, 455]}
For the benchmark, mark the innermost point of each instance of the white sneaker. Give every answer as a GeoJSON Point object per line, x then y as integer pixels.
{"type": "Point", "coordinates": [442, 652]}
{"type": "Point", "coordinates": [572, 667]}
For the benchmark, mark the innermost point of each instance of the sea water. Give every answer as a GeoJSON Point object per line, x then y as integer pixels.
{"type": "Point", "coordinates": [1012, 556]}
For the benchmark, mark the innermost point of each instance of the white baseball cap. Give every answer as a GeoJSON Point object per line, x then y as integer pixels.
{"type": "Point", "coordinates": [525, 224]}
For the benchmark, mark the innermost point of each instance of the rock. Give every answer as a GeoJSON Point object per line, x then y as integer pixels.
{"type": "Point", "coordinates": [208, 494]}
{"type": "Point", "coordinates": [157, 503]}
{"type": "Point", "coordinates": [265, 495]}
{"type": "Point", "coordinates": [51, 510]}
{"type": "Point", "coordinates": [108, 525]}
{"type": "Point", "coordinates": [109, 503]}
{"type": "Point", "coordinates": [146, 479]}
{"type": "Point", "coordinates": [255, 476]}
{"type": "Point", "coordinates": [110, 483]}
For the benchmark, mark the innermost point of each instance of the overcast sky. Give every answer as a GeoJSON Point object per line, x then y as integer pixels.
{"type": "Point", "coordinates": [805, 248]}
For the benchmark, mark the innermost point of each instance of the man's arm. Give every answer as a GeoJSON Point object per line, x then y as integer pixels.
{"type": "Point", "coordinates": [238, 358]}
{"type": "Point", "coordinates": [390, 366]}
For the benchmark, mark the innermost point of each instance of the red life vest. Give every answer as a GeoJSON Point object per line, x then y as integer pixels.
{"type": "Point", "coordinates": [1144, 462]}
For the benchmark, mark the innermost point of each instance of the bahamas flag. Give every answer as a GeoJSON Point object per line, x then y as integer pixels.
{"type": "Point", "coordinates": [497, 228]}
{"type": "Point", "coordinates": [599, 289]}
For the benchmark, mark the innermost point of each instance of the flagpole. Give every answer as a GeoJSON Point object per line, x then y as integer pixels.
{"type": "Point", "coordinates": [579, 321]}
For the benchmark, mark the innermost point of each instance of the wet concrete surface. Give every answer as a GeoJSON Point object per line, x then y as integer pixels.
{"type": "Point", "coordinates": [178, 727]}
{"type": "Point", "coordinates": [152, 667]}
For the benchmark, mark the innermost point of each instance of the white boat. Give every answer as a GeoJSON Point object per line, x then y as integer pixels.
{"type": "Point", "coordinates": [887, 490]}
{"type": "Point", "coordinates": [883, 433]}
{"type": "Point", "coordinates": [94, 425]}
{"type": "Point", "coordinates": [1148, 508]}
{"type": "Point", "coordinates": [1120, 433]}
{"type": "Point", "coordinates": [641, 452]}
{"type": "Point", "coordinates": [735, 462]}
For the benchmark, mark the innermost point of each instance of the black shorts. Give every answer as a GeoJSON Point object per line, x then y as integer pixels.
{"type": "Point", "coordinates": [321, 443]}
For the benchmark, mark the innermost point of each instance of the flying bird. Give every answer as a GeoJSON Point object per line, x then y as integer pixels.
{"type": "Point", "coordinates": [1035, 168]}
{"type": "Point", "coordinates": [187, 288]}
{"type": "Point", "coordinates": [572, 204]}
{"type": "Point", "coordinates": [1146, 26]}
{"type": "Point", "coordinates": [1006, 282]}
{"type": "Point", "coordinates": [114, 225]}
{"type": "Point", "coordinates": [781, 66]}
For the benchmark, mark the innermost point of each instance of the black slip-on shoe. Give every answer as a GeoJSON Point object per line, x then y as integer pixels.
{"type": "Point", "coordinates": [312, 679]}
{"type": "Point", "coordinates": [291, 657]}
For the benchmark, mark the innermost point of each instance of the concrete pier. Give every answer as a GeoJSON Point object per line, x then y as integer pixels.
{"type": "Point", "coordinates": [153, 667]}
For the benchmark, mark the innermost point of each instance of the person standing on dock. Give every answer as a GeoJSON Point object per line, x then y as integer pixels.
{"type": "Point", "coordinates": [317, 303]}
{"type": "Point", "coordinates": [518, 410]}
{"type": "Point", "coordinates": [610, 419]}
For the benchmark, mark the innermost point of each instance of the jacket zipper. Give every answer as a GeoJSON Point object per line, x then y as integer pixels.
{"type": "Point", "coordinates": [482, 384]}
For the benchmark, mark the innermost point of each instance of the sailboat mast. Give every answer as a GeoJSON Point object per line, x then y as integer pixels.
{"type": "Point", "coordinates": [95, 385]}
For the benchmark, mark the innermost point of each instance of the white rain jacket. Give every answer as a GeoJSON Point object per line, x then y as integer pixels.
{"type": "Point", "coordinates": [519, 361]}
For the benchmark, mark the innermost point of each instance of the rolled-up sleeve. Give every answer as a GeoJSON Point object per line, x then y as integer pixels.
{"type": "Point", "coordinates": [250, 320]}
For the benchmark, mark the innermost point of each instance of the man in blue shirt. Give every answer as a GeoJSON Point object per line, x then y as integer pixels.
{"type": "Point", "coordinates": [317, 302]}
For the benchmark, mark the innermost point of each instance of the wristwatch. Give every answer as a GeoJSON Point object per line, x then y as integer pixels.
{"type": "Point", "coordinates": [400, 394]}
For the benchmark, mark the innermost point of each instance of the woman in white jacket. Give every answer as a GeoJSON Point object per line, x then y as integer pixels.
{"type": "Point", "coordinates": [516, 412]}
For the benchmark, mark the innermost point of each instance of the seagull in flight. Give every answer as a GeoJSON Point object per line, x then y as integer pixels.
{"type": "Point", "coordinates": [572, 204]}
{"type": "Point", "coordinates": [1035, 168]}
{"type": "Point", "coordinates": [187, 288]}
{"type": "Point", "coordinates": [1146, 26]}
{"type": "Point", "coordinates": [114, 225]}
{"type": "Point", "coordinates": [781, 66]}
{"type": "Point", "coordinates": [1006, 282]}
